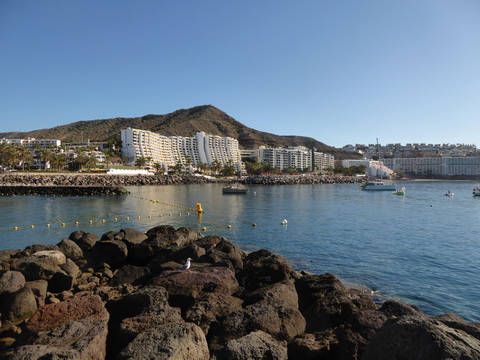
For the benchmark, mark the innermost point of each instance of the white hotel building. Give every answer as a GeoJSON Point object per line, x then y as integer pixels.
{"type": "Point", "coordinates": [170, 150]}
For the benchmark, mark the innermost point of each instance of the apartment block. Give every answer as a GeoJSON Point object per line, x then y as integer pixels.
{"type": "Point", "coordinates": [170, 150]}
{"type": "Point", "coordinates": [443, 166]}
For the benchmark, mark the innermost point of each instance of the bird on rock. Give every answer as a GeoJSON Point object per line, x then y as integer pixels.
{"type": "Point", "coordinates": [185, 266]}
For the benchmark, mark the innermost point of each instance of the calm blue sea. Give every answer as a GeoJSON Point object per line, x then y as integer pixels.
{"type": "Point", "coordinates": [422, 248]}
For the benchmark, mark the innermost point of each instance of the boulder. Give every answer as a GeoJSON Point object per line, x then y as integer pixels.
{"type": "Point", "coordinates": [39, 289]}
{"type": "Point", "coordinates": [210, 308]}
{"type": "Point", "coordinates": [36, 352]}
{"type": "Point", "coordinates": [420, 337]}
{"type": "Point", "coordinates": [392, 308]}
{"type": "Point", "coordinates": [53, 255]}
{"type": "Point", "coordinates": [130, 274]}
{"type": "Point", "coordinates": [256, 345]}
{"type": "Point", "coordinates": [283, 322]}
{"type": "Point", "coordinates": [113, 252]}
{"type": "Point", "coordinates": [70, 249]}
{"type": "Point", "coordinates": [221, 251]}
{"type": "Point", "coordinates": [78, 323]}
{"type": "Point", "coordinates": [160, 230]}
{"type": "Point", "coordinates": [172, 341]}
{"type": "Point", "coordinates": [85, 240]}
{"type": "Point", "coordinates": [132, 236]}
{"type": "Point", "coordinates": [262, 268]}
{"type": "Point", "coordinates": [35, 267]}
{"type": "Point", "coordinates": [112, 235]}
{"type": "Point", "coordinates": [326, 303]}
{"type": "Point", "coordinates": [191, 283]}
{"type": "Point", "coordinates": [19, 306]}
{"type": "Point", "coordinates": [138, 312]}
{"type": "Point", "coordinates": [10, 282]}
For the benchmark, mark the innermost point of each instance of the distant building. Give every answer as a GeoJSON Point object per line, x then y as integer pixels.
{"type": "Point", "coordinates": [297, 157]}
{"type": "Point", "coordinates": [170, 150]}
{"type": "Point", "coordinates": [32, 143]}
{"type": "Point", "coordinates": [373, 168]}
{"type": "Point", "coordinates": [437, 166]}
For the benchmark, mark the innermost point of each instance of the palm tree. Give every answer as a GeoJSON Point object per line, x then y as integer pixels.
{"type": "Point", "coordinates": [58, 161]}
{"type": "Point", "coordinates": [158, 167]}
{"type": "Point", "coordinates": [23, 154]}
{"type": "Point", "coordinates": [140, 162]}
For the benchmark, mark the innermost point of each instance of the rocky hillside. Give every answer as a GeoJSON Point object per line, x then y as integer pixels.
{"type": "Point", "coordinates": [184, 122]}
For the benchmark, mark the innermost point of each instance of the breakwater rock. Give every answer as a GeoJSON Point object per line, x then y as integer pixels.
{"type": "Point", "coordinates": [98, 180]}
{"type": "Point", "coordinates": [122, 296]}
{"type": "Point", "coordinates": [63, 190]}
{"type": "Point", "coordinates": [302, 180]}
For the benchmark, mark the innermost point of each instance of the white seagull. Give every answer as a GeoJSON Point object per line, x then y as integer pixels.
{"type": "Point", "coordinates": [185, 266]}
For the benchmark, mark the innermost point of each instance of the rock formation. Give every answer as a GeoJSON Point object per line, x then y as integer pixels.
{"type": "Point", "coordinates": [121, 296]}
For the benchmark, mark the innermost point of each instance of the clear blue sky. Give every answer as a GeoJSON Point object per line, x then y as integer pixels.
{"type": "Point", "coordinates": [342, 72]}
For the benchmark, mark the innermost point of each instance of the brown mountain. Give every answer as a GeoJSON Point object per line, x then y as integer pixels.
{"type": "Point", "coordinates": [184, 122]}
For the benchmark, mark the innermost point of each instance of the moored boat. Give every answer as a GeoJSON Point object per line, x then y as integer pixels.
{"type": "Point", "coordinates": [377, 185]}
{"type": "Point", "coordinates": [234, 189]}
{"type": "Point", "coordinates": [449, 193]}
{"type": "Point", "coordinates": [476, 191]}
{"type": "Point", "coordinates": [399, 192]}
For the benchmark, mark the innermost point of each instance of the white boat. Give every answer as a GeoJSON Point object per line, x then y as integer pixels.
{"type": "Point", "coordinates": [234, 189]}
{"type": "Point", "coordinates": [476, 191]}
{"type": "Point", "coordinates": [378, 185]}
{"type": "Point", "coordinates": [449, 193]}
{"type": "Point", "coordinates": [399, 192]}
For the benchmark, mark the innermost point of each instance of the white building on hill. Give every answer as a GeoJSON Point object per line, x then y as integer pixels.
{"type": "Point", "coordinates": [170, 150]}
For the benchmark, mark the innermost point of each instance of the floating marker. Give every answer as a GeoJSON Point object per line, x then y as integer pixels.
{"type": "Point", "coordinates": [103, 220]}
{"type": "Point", "coordinates": [15, 228]}
{"type": "Point", "coordinates": [199, 208]}
{"type": "Point", "coordinates": [76, 222]}
{"type": "Point", "coordinates": [138, 217]}
{"type": "Point", "coordinates": [63, 224]}
{"type": "Point", "coordinates": [127, 218]}
{"type": "Point", "coordinates": [32, 226]}
{"type": "Point", "coordinates": [91, 221]}
{"type": "Point", "coordinates": [204, 229]}
{"type": "Point", "coordinates": [48, 225]}
{"type": "Point", "coordinates": [115, 219]}
{"type": "Point", "coordinates": [229, 226]}
{"type": "Point", "coordinates": [254, 224]}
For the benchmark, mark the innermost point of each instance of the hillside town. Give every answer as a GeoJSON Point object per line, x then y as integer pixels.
{"type": "Point", "coordinates": [147, 152]}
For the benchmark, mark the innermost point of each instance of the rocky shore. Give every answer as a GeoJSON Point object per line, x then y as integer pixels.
{"type": "Point", "coordinates": [122, 296]}
{"type": "Point", "coordinates": [28, 179]}
{"type": "Point", "coordinates": [63, 190]}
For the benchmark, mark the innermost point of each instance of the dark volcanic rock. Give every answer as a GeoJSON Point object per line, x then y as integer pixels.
{"type": "Point", "coordinates": [256, 345]}
{"type": "Point", "coordinates": [419, 337]}
{"type": "Point", "coordinates": [10, 281]}
{"type": "Point", "coordinates": [130, 274]}
{"type": "Point", "coordinates": [19, 306]}
{"type": "Point", "coordinates": [172, 341]}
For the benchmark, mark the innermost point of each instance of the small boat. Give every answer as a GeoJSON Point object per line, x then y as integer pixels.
{"type": "Point", "coordinates": [234, 189]}
{"type": "Point", "coordinates": [377, 185]}
{"type": "Point", "coordinates": [399, 192]}
{"type": "Point", "coordinates": [476, 191]}
{"type": "Point", "coordinates": [449, 193]}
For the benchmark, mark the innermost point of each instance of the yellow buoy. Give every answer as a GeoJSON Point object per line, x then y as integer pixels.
{"type": "Point", "coordinates": [115, 219]}
{"type": "Point", "coordinates": [103, 220]}
{"type": "Point", "coordinates": [127, 218]}
{"type": "Point", "coordinates": [254, 224]}
{"type": "Point", "coordinates": [76, 223]}
{"type": "Point", "coordinates": [229, 226]}
{"type": "Point", "coordinates": [48, 225]}
{"type": "Point", "coordinates": [138, 217]}
{"type": "Point", "coordinates": [15, 228]}
{"type": "Point", "coordinates": [32, 226]}
{"type": "Point", "coordinates": [63, 224]}
{"type": "Point", "coordinates": [91, 221]}
{"type": "Point", "coordinates": [199, 208]}
{"type": "Point", "coordinates": [204, 229]}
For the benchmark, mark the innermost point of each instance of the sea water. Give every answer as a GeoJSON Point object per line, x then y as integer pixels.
{"type": "Point", "coordinates": [422, 248]}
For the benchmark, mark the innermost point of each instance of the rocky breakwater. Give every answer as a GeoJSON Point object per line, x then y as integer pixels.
{"type": "Point", "coordinates": [302, 180]}
{"type": "Point", "coordinates": [122, 296]}
{"type": "Point", "coordinates": [63, 190]}
{"type": "Point", "coordinates": [98, 180]}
